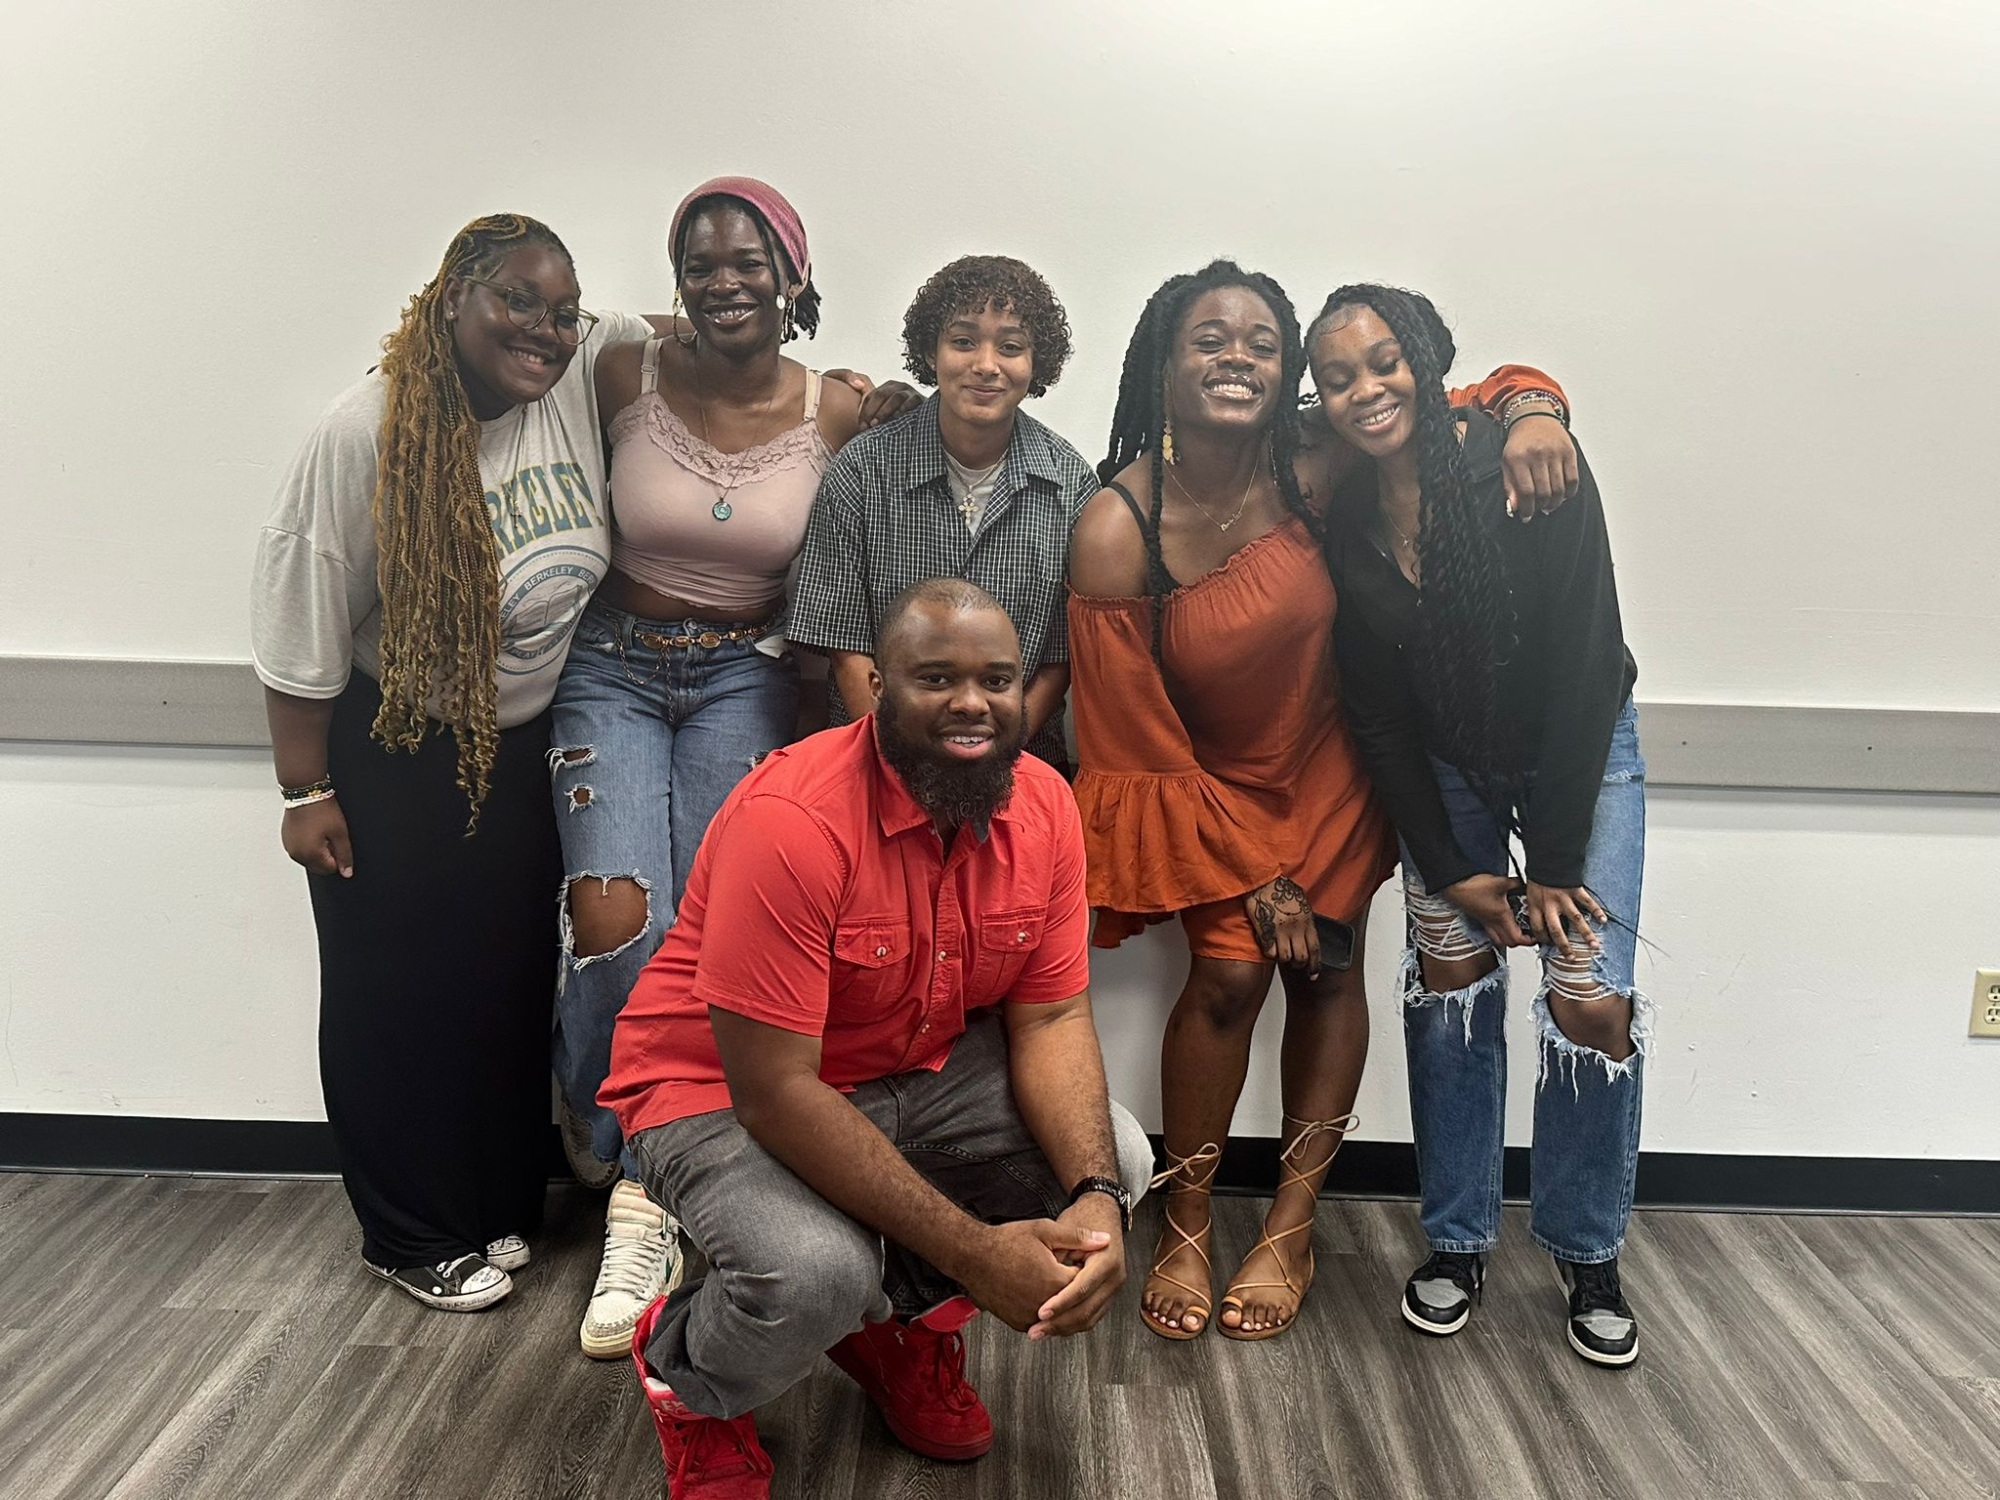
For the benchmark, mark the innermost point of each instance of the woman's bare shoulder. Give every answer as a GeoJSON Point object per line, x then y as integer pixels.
{"type": "Point", "coordinates": [1107, 550]}
{"type": "Point", "coordinates": [617, 376]}
{"type": "Point", "coordinates": [839, 411]}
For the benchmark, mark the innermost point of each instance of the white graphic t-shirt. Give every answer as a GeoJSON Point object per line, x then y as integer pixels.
{"type": "Point", "coordinates": [315, 610]}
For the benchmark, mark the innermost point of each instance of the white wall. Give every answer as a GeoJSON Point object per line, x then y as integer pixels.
{"type": "Point", "coordinates": [1754, 240]}
{"type": "Point", "coordinates": [1813, 975]}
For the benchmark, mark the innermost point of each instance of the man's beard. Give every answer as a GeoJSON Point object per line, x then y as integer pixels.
{"type": "Point", "coordinates": [953, 792]}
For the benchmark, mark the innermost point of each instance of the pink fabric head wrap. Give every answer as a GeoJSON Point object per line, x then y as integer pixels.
{"type": "Point", "coordinates": [768, 201]}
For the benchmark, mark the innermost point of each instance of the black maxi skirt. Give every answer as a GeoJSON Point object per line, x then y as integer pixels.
{"type": "Point", "coordinates": [437, 970]}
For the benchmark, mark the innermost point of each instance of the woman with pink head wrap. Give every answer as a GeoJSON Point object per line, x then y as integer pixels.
{"type": "Point", "coordinates": [784, 233]}
{"type": "Point", "coordinates": [678, 681]}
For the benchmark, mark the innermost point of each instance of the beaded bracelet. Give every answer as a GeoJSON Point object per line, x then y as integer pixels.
{"type": "Point", "coordinates": [305, 796]}
{"type": "Point", "coordinates": [1512, 413]}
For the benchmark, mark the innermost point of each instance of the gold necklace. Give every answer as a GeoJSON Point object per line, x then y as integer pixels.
{"type": "Point", "coordinates": [1174, 480]}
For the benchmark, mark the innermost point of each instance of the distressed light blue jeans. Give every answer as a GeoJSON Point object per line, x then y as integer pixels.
{"type": "Point", "coordinates": [647, 742]}
{"type": "Point", "coordinates": [1586, 1142]}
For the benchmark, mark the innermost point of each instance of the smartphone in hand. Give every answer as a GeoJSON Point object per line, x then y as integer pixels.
{"type": "Point", "coordinates": [1336, 942]}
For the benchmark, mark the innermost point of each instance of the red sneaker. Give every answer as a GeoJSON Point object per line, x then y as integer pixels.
{"type": "Point", "coordinates": [707, 1458]}
{"type": "Point", "coordinates": [915, 1375]}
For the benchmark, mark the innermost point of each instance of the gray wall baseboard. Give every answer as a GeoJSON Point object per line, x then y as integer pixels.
{"type": "Point", "coordinates": [1364, 1169]}
{"type": "Point", "coordinates": [116, 701]}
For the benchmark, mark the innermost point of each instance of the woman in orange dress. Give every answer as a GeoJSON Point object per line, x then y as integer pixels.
{"type": "Point", "coordinates": [1216, 778]}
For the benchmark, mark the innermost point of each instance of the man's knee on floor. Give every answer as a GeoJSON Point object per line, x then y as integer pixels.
{"type": "Point", "coordinates": [603, 913]}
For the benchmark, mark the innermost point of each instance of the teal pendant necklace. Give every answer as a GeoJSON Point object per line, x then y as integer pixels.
{"type": "Point", "coordinates": [722, 510]}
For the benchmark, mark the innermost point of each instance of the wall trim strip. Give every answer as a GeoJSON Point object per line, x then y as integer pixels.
{"type": "Point", "coordinates": [118, 701]}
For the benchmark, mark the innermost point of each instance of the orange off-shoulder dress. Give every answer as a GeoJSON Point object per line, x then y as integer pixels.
{"type": "Point", "coordinates": [1227, 763]}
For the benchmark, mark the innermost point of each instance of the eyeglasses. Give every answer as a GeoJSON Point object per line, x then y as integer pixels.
{"type": "Point", "coordinates": [526, 311]}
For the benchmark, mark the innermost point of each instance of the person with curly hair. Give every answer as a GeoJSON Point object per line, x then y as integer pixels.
{"type": "Point", "coordinates": [1487, 682]}
{"type": "Point", "coordinates": [1216, 780]}
{"type": "Point", "coordinates": [967, 485]}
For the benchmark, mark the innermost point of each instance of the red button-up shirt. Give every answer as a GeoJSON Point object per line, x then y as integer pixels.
{"type": "Point", "coordinates": [823, 901]}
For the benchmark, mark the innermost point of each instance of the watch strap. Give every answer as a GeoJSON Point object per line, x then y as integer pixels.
{"type": "Point", "coordinates": [1113, 1189]}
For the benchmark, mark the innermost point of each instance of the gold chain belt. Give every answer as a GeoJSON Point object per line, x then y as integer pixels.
{"type": "Point", "coordinates": [706, 638]}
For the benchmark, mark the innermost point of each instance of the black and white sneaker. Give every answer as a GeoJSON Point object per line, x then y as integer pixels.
{"type": "Point", "coordinates": [1601, 1327]}
{"type": "Point", "coordinates": [464, 1285]}
{"type": "Point", "coordinates": [1439, 1295]}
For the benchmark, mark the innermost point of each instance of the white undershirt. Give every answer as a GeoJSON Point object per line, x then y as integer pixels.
{"type": "Point", "coordinates": [971, 488]}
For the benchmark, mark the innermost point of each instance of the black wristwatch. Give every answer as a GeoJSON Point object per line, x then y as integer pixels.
{"type": "Point", "coordinates": [1113, 1189]}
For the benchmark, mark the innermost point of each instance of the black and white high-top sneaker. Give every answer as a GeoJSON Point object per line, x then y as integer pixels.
{"type": "Point", "coordinates": [1601, 1326]}
{"type": "Point", "coordinates": [1439, 1295]}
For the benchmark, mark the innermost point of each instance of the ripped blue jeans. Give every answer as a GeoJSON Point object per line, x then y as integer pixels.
{"type": "Point", "coordinates": [1586, 1143]}
{"type": "Point", "coordinates": [647, 742]}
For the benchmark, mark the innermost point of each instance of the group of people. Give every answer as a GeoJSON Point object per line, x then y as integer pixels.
{"type": "Point", "coordinates": [822, 1002]}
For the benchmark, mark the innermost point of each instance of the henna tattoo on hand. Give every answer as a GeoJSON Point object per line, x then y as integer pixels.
{"type": "Point", "coordinates": [1286, 898]}
{"type": "Point", "coordinates": [1289, 897]}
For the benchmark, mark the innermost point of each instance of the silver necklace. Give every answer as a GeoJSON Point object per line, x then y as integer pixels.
{"type": "Point", "coordinates": [722, 510]}
{"type": "Point", "coordinates": [968, 508]}
{"type": "Point", "coordinates": [1410, 543]}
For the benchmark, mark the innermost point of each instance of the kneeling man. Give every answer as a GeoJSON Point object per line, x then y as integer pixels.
{"type": "Point", "coordinates": [861, 1069]}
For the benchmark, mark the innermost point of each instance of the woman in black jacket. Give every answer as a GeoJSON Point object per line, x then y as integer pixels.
{"type": "Point", "coordinates": [1486, 680]}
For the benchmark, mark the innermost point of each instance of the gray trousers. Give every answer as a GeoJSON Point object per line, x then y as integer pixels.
{"type": "Point", "coordinates": [789, 1274]}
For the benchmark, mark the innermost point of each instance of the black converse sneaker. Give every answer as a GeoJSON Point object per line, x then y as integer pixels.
{"type": "Point", "coordinates": [1439, 1295]}
{"type": "Point", "coordinates": [464, 1285]}
{"type": "Point", "coordinates": [1601, 1327]}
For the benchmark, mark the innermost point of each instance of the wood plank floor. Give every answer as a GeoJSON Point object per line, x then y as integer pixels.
{"type": "Point", "coordinates": [205, 1339]}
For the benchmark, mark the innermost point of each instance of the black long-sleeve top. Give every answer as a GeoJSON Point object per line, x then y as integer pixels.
{"type": "Point", "coordinates": [1557, 695]}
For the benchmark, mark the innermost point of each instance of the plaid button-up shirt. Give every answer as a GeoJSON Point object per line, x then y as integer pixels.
{"type": "Point", "coordinates": [885, 519]}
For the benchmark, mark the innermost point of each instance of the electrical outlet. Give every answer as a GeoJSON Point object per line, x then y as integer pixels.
{"type": "Point", "coordinates": [1985, 1003]}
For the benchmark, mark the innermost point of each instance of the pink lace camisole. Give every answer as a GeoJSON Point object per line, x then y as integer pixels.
{"type": "Point", "coordinates": [720, 530]}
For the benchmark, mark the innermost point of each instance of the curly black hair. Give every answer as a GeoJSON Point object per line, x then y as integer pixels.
{"type": "Point", "coordinates": [1139, 422]}
{"type": "Point", "coordinates": [972, 284]}
{"type": "Point", "coordinates": [1465, 618]}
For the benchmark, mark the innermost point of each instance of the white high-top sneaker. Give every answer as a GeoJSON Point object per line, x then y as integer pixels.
{"type": "Point", "coordinates": [642, 1261]}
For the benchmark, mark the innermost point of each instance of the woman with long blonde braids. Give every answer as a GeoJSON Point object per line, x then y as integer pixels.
{"type": "Point", "coordinates": [430, 551]}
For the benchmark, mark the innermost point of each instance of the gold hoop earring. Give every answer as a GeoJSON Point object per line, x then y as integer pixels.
{"type": "Point", "coordinates": [685, 343]}
{"type": "Point", "coordinates": [1167, 420]}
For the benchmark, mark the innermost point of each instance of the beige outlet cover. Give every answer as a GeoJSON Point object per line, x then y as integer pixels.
{"type": "Point", "coordinates": [1986, 1003]}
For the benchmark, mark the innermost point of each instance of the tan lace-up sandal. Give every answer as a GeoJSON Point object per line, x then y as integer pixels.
{"type": "Point", "coordinates": [1187, 1173]}
{"type": "Point", "coordinates": [1288, 1165]}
